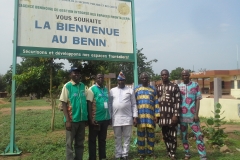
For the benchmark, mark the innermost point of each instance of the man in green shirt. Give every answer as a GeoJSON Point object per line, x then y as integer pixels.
{"type": "Point", "coordinates": [75, 111]}
{"type": "Point", "coordinates": [99, 118]}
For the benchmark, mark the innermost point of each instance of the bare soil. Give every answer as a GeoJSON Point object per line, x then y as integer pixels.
{"type": "Point", "coordinates": [7, 111]}
{"type": "Point", "coordinates": [3, 102]}
{"type": "Point", "coordinates": [21, 156]}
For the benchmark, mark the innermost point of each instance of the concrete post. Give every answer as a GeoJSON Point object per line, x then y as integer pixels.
{"type": "Point", "coordinates": [217, 91]}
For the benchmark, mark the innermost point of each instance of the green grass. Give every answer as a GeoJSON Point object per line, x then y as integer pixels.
{"type": "Point", "coordinates": [37, 142]}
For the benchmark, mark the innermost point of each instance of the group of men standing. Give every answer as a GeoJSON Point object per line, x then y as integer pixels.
{"type": "Point", "coordinates": [144, 107]}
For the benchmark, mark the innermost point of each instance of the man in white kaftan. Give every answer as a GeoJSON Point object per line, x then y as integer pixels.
{"type": "Point", "coordinates": [124, 115]}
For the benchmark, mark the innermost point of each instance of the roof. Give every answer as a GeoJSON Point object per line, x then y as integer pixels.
{"type": "Point", "coordinates": [215, 73]}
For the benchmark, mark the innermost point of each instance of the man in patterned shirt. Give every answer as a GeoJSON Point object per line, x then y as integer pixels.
{"type": "Point", "coordinates": [169, 101]}
{"type": "Point", "coordinates": [148, 115]}
{"type": "Point", "coordinates": [191, 97]}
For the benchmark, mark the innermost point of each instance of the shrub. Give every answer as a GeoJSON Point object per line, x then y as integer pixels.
{"type": "Point", "coordinates": [213, 130]}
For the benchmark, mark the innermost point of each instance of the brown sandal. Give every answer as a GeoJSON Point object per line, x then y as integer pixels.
{"type": "Point", "coordinates": [186, 157]}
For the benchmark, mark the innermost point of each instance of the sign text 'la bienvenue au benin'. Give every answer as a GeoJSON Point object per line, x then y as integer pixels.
{"type": "Point", "coordinates": [88, 30]}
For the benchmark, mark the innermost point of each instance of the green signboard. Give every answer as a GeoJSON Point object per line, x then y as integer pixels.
{"type": "Point", "coordinates": [72, 29]}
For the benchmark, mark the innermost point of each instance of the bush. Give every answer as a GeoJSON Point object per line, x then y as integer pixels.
{"type": "Point", "coordinates": [213, 130]}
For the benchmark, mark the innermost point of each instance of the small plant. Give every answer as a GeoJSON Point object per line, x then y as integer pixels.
{"type": "Point", "coordinates": [213, 130]}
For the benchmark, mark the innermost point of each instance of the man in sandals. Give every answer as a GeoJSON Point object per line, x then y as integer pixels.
{"type": "Point", "coordinates": [169, 101]}
{"type": "Point", "coordinates": [148, 115]}
{"type": "Point", "coordinates": [191, 97]}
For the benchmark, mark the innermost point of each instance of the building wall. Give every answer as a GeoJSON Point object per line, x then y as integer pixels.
{"type": "Point", "coordinates": [229, 106]}
{"type": "Point", "coordinates": [235, 93]}
{"type": "Point", "coordinates": [226, 87]}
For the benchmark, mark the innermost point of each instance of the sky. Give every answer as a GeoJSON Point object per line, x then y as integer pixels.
{"type": "Point", "coordinates": [199, 34]}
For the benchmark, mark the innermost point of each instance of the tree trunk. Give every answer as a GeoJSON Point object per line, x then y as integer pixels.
{"type": "Point", "coordinates": [53, 101]}
{"type": "Point", "coordinates": [53, 113]}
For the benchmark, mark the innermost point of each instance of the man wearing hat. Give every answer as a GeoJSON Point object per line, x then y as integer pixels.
{"type": "Point", "coordinates": [74, 104]}
{"type": "Point", "coordinates": [148, 116]}
{"type": "Point", "coordinates": [124, 114]}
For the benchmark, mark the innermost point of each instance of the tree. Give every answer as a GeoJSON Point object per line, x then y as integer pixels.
{"type": "Point", "coordinates": [90, 68]}
{"type": "Point", "coordinates": [156, 77]}
{"type": "Point", "coordinates": [35, 73]}
{"type": "Point", "coordinates": [127, 67]}
{"type": "Point", "coordinates": [32, 76]}
{"type": "Point", "coordinates": [176, 74]}
{"type": "Point", "coordinates": [3, 84]}
{"type": "Point", "coordinates": [8, 77]}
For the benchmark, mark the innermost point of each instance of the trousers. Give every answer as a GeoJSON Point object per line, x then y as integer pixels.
{"type": "Point", "coordinates": [77, 134]}
{"type": "Point", "coordinates": [150, 135]}
{"type": "Point", "coordinates": [122, 140]}
{"type": "Point", "coordinates": [170, 139]}
{"type": "Point", "coordinates": [195, 127]}
{"type": "Point", "coordinates": [101, 133]}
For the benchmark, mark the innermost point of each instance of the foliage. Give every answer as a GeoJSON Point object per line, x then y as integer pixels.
{"type": "Point", "coordinates": [142, 65]}
{"type": "Point", "coordinates": [213, 130]}
{"type": "Point", "coordinates": [33, 76]}
{"type": "Point", "coordinates": [8, 77]}
{"type": "Point", "coordinates": [156, 77]}
{"type": "Point", "coordinates": [91, 68]}
{"type": "Point", "coordinates": [176, 74]}
{"type": "Point", "coordinates": [3, 84]}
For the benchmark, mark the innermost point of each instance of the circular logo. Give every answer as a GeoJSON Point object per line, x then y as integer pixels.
{"type": "Point", "coordinates": [123, 9]}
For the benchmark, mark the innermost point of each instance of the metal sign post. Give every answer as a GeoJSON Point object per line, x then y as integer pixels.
{"type": "Point", "coordinates": [134, 47]}
{"type": "Point", "coordinates": [12, 148]}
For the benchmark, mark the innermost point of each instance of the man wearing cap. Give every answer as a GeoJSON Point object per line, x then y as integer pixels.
{"type": "Point", "coordinates": [99, 118]}
{"type": "Point", "coordinates": [191, 97]}
{"type": "Point", "coordinates": [74, 104]}
{"type": "Point", "coordinates": [148, 115]}
{"type": "Point", "coordinates": [124, 114]}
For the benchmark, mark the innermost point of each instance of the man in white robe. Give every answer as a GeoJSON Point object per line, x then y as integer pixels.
{"type": "Point", "coordinates": [124, 115]}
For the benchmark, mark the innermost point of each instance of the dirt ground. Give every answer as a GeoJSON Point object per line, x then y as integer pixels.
{"type": "Point", "coordinates": [2, 102]}
{"type": "Point", "coordinates": [223, 96]}
{"type": "Point", "coordinates": [7, 111]}
{"type": "Point", "coordinates": [17, 157]}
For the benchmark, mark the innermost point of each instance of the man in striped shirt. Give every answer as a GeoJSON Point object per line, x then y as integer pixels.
{"type": "Point", "coordinates": [148, 115]}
